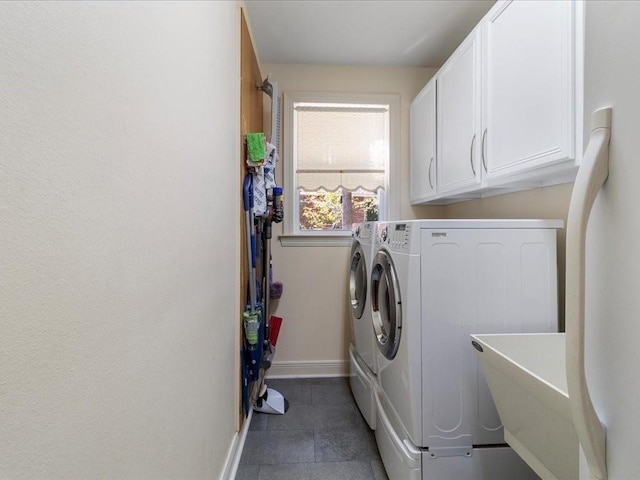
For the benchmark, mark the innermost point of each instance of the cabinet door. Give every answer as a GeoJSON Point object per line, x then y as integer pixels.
{"type": "Point", "coordinates": [458, 118]}
{"type": "Point", "coordinates": [422, 119]}
{"type": "Point", "coordinates": [528, 86]}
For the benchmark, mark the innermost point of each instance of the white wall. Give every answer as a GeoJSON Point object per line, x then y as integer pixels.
{"type": "Point", "coordinates": [613, 256]}
{"type": "Point", "coordinates": [119, 247]}
{"type": "Point", "coordinates": [315, 331]}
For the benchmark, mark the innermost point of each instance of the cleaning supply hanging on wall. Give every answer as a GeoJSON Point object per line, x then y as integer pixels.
{"type": "Point", "coordinates": [252, 317]}
{"type": "Point", "coordinates": [264, 199]}
{"type": "Point", "coordinates": [256, 149]}
{"type": "Point", "coordinates": [269, 400]}
{"type": "Point", "coordinates": [264, 179]}
{"type": "Point", "coordinates": [256, 159]}
{"type": "Point", "coordinates": [270, 166]}
{"type": "Point", "coordinates": [270, 89]}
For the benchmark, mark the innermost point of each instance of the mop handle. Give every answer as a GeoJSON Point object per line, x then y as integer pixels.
{"type": "Point", "coordinates": [247, 197]}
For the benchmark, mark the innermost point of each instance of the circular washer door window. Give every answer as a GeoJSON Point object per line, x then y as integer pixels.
{"type": "Point", "coordinates": [385, 305]}
{"type": "Point", "coordinates": [357, 281]}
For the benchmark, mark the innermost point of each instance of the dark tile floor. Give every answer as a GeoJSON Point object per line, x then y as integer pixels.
{"type": "Point", "coordinates": [322, 437]}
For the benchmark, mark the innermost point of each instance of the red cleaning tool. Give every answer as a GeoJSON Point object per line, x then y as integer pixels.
{"type": "Point", "coordinates": [274, 328]}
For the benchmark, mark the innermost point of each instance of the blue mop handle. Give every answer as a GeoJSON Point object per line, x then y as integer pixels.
{"type": "Point", "coordinates": [247, 194]}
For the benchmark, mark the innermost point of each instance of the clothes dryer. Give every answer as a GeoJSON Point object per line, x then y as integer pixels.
{"type": "Point", "coordinates": [362, 349]}
{"type": "Point", "coordinates": [433, 283]}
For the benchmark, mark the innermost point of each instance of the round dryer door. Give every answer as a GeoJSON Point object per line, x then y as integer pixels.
{"type": "Point", "coordinates": [386, 305]}
{"type": "Point", "coordinates": [357, 281]}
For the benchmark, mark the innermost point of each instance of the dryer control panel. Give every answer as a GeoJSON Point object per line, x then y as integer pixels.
{"type": "Point", "coordinates": [366, 231]}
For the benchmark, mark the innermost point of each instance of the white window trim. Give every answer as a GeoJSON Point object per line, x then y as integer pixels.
{"type": "Point", "coordinates": [392, 208]}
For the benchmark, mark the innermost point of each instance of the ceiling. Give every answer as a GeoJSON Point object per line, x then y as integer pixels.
{"type": "Point", "coordinates": [410, 33]}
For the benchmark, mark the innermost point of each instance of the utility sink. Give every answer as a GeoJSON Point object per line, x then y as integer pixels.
{"type": "Point", "coordinates": [526, 375]}
{"type": "Point", "coordinates": [538, 380]}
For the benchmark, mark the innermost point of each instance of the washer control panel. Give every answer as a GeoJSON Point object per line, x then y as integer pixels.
{"type": "Point", "coordinates": [396, 236]}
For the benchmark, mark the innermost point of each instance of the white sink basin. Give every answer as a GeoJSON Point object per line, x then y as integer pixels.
{"type": "Point", "coordinates": [526, 377]}
{"type": "Point", "coordinates": [527, 373]}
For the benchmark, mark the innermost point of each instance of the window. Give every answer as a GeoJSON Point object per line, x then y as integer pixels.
{"type": "Point", "coordinates": [338, 150]}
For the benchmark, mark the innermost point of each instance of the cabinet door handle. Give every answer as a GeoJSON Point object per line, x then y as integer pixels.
{"type": "Point", "coordinates": [484, 157]}
{"type": "Point", "coordinates": [430, 163]}
{"type": "Point", "coordinates": [473, 141]}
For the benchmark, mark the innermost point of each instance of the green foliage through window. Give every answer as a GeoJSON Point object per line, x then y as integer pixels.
{"type": "Point", "coordinates": [325, 211]}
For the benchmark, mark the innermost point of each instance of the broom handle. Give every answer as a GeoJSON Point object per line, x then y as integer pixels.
{"type": "Point", "coordinates": [266, 252]}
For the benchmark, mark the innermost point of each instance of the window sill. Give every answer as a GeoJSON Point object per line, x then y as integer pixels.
{"type": "Point", "coordinates": [315, 240]}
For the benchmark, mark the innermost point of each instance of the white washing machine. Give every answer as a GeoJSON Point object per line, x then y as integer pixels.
{"type": "Point", "coordinates": [433, 283]}
{"type": "Point", "coordinates": [362, 351]}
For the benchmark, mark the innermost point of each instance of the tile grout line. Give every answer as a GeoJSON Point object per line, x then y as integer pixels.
{"type": "Point", "coordinates": [315, 449]}
{"type": "Point", "coordinates": [316, 394]}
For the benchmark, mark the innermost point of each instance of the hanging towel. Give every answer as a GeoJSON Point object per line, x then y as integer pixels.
{"type": "Point", "coordinates": [256, 149]}
{"type": "Point", "coordinates": [270, 166]}
{"type": "Point", "coordinates": [259, 192]}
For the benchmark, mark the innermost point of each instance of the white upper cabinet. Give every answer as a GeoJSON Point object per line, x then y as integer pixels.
{"type": "Point", "coordinates": [458, 118]}
{"type": "Point", "coordinates": [422, 115]}
{"type": "Point", "coordinates": [509, 104]}
{"type": "Point", "coordinates": [528, 103]}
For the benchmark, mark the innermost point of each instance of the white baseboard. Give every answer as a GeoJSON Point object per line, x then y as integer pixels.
{"type": "Point", "coordinates": [316, 368]}
{"type": "Point", "coordinates": [235, 452]}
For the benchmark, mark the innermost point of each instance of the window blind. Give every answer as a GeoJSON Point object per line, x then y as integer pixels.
{"type": "Point", "coordinates": [341, 146]}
